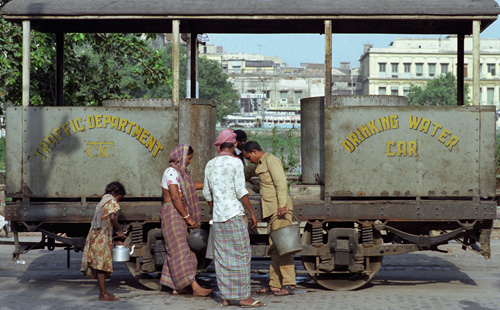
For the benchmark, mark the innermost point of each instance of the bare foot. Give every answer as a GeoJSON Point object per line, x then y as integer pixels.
{"type": "Point", "coordinates": [201, 291]}
{"type": "Point", "coordinates": [107, 297]}
{"type": "Point", "coordinates": [181, 291]}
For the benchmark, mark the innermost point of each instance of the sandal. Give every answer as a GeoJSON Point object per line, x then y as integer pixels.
{"type": "Point", "coordinates": [267, 290]}
{"type": "Point", "coordinates": [108, 297]}
{"type": "Point", "coordinates": [285, 290]}
{"type": "Point", "coordinates": [255, 304]}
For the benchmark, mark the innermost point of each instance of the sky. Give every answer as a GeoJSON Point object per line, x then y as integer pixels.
{"type": "Point", "coordinates": [301, 48]}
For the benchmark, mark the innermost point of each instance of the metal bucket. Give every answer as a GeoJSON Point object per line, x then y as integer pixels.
{"type": "Point", "coordinates": [287, 239]}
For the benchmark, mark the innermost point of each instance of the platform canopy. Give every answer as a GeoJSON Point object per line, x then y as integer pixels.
{"type": "Point", "coordinates": [254, 16]}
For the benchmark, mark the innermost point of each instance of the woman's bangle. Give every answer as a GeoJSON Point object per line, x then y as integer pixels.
{"type": "Point", "coordinates": [185, 217]}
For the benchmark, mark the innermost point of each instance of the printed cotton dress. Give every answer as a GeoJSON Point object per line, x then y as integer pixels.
{"type": "Point", "coordinates": [98, 246]}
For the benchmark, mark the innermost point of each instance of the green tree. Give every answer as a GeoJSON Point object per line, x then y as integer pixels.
{"type": "Point", "coordinates": [439, 91]}
{"type": "Point", "coordinates": [100, 66]}
{"type": "Point", "coordinates": [214, 84]}
{"type": "Point", "coordinates": [97, 66]}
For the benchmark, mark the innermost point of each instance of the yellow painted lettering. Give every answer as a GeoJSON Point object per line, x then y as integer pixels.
{"type": "Point", "coordinates": [56, 132]}
{"type": "Point", "coordinates": [137, 132]}
{"type": "Point", "coordinates": [159, 148]}
{"type": "Point", "coordinates": [78, 126]}
{"type": "Point", "coordinates": [123, 124]}
{"type": "Point", "coordinates": [131, 125]}
{"type": "Point", "coordinates": [436, 128]}
{"type": "Point", "coordinates": [106, 120]}
{"type": "Point", "coordinates": [401, 148]}
{"type": "Point", "coordinates": [424, 127]}
{"type": "Point", "coordinates": [98, 121]}
{"type": "Point", "coordinates": [348, 145]}
{"type": "Point", "coordinates": [44, 147]}
{"type": "Point", "coordinates": [412, 148]}
{"type": "Point", "coordinates": [91, 121]}
{"type": "Point", "coordinates": [414, 122]}
{"type": "Point", "coordinates": [144, 136]}
{"type": "Point", "coordinates": [361, 137]}
{"type": "Point", "coordinates": [37, 153]}
{"type": "Point", "coordinates": [365, 131]}
{"type": "Point", "coordinates": [51, 140]}
{"type": "Point", "coordinates": [114, 122]}
{"type": "Point", "coordinates": [386, 124]}
{"type": "Point", "coordinates": [452, 142]}
{"type": "Point", "coordinates": [444, 135]}
{"type": "Point", "coordinates": [73, 125]}
{"type": "Point", "coordinates": [65, 129]}
{"type": "Point", "coordinates": [150, 144]}
{"type": "Point", "coordinates": [373, 127]}
{"type": "Point", "coordinates": [390, 144]}
{"type": "Point", "coordinates": [354, 139]}
{"type": "Point", "coordinates": [394, 121]}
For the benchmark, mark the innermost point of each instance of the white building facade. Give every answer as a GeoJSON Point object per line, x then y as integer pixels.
{"type": "Point", "coordinates": [392, 70]}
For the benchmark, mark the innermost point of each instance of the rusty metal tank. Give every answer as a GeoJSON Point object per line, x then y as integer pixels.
{"type": "Point", "coordinates": [70, 152]}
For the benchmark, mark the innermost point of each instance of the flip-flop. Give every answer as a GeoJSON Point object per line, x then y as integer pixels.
{"type": "Point", "coordinates": [253, 305]}
{"type": "Point", "coordinates": [289, 291]}
{"type": "Point", "coordinates": [108, 297]}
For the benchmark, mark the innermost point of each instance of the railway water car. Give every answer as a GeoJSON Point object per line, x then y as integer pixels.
{"type": "Point", "coordinates": [386, 178]}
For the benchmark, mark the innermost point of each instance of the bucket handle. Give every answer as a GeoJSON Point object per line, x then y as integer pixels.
{"type": "Point", "coordinates": [275, 216]}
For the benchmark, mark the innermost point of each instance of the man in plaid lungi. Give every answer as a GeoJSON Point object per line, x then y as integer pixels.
{"type": "Point", "coordinates": [224, 185]}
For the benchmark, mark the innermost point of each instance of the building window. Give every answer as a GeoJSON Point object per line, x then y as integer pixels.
{"type": "Point", "coordinates": [266, 93]}
{"type": "Point", "coordinates": [394, 91]}
{"type": "Point", "coordinates": [491, 69]}
{"type": "Point", "coordinates": [283, 94]}
{"type": "Point", "coordinates": [444, 68]}
{"type": "Point", "coordinates": [407, 69]}
{"type": "Point", "coordinates": [236, 69]}
{"type": "Point", "coordinates": [381, 90]}
{"type": "Point", "coordinates": [298, 96]}
{"type": "Point", "coordinates": [490, 95]}
{"type": "Point", "coordinates": [466, 74]}
{"type": "Point", "coordinates": [394, 69]}
{"type": "Point", "coordinates": [406, 91]}
{"type": "Point", "coordinates": [432, 70]}
{"type": "Point", "coordinates": [419, 69]}
{"type": "Point", "coordinates": [381, 69]}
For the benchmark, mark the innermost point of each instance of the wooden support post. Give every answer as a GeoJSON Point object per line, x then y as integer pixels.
{"type": "Point", "coordinates": [26, 62]}
{"type": "Point", "coordinates": [476, 30]}
{"type": "Point", "coordinates": [194, 65]}
{"type": "Point", "coordinates": [59, 68]}
{"type": "Point", "coordinates": [175, 62]}
{"type": "Point", "coordinates": [460, 69]}
{"type": "Point", "coordinates": [328, 62]}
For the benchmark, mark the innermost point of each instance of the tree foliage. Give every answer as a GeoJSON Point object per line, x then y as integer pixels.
{"type": "Point", "coordinates": [100, 66]}
{"type": "Point", "coordinates": [214, 84]}
{"type": "Point", "coordinates": [439, 91]}
{"type": "Point", "coordinates": [97, 66]}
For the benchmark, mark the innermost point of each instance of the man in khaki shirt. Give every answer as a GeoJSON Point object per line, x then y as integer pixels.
{"type": "Point", "coordinates": [277, 207]}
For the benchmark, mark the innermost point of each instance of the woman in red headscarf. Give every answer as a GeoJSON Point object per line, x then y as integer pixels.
{"type": "Point", "coordinates": [180, 210]}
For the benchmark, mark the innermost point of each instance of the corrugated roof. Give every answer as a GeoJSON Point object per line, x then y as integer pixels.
{"type": "Point", "coordinates": [254, 16]}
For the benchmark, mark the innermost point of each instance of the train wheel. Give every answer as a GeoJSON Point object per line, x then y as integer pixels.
{"type": "Point", "coordinates": [146, 279]}
{"type": "Point", "coordinates": [340, 281]}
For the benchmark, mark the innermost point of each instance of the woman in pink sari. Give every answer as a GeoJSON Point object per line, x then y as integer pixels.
{"type": "Point", "coordinates": [180, 210]}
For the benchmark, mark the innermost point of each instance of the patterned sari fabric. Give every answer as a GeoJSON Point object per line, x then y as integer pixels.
{"type": "Point", "coordinates": [98, 246]}
{"type": "Point", "coordinates": [180, 264]}
{"type": "Point", "coordinates": [232, 258]}
{"type": "Point", "coordinates": [179, 267]}
{"type": "Point", "coordinates": [178, 160]}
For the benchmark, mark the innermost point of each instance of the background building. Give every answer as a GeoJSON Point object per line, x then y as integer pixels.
{"type": "Point", "coordinates": [267, 84]}
{"type": "Point", "coordinates": [391, 70]}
